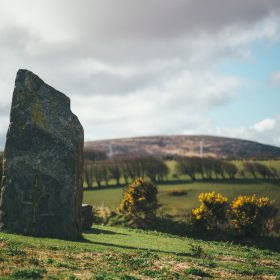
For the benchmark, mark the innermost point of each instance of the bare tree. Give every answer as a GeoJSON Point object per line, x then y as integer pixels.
{"type": "Point", "coordinates": [88, 172]}
{"type": "Point", "coordinates": [115, 170]}
{"type": "Point", "coordinates": [250, 168]}
{"type": "Point", "coordinates": [230, 169]}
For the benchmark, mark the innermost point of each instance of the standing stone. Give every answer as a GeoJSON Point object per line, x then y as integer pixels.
{"type": "Point", "coordinates": [43, 161]}
{"type": "Point", "coordinates": [87, 216]}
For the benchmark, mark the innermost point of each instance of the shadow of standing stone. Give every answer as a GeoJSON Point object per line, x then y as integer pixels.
{"type": "Point", "coordinates": [42, 182]}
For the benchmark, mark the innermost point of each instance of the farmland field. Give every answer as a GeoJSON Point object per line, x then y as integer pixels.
{"type": "Point", "coordinates": [179, 206]}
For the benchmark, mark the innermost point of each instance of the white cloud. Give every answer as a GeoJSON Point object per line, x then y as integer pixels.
{"type": "Point", "coordinates": [170, 107]}
{"type": "Point", "coordinates": [264, 125]}
{"type": "Point", "coordinates": [133, 68]}
{"type": "Point", "coordinates": [265, 131]}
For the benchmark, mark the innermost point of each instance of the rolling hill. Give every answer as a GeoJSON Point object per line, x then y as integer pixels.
{"type": "Point", "coordinates": [180, 145]}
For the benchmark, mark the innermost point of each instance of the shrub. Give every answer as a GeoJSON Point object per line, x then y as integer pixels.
{"type": "Point", "coordinates": [196, 272]}
{"type": "Point", "coordinates": [139, 202]}
{"type": "Point", "coordinates": [14, 250]}
{"type": "Point", "coordinates": [35, 273]}
{"type": "Point", "coordinates": [197, 251]}
{"type": "Point", "coordinates": [252, 215]}
{"type": "Point", "coordinates": [211, 214]}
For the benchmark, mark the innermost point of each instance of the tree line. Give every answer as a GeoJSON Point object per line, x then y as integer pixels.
{"type": "Point", "coordinates": [100, 170]}
{"type": "Point", "coordinates": [206, 168]}
{"type": "Point", "coordinates": [128, 168]}
{"type": "Point", "coordinates": [210, 168]}
{"type": "Point", "coordinates": [258, 169]}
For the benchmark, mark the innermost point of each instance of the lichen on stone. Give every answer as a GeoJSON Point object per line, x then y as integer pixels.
{"type": "Point", "coordinates": [42, 199]}
{"type": "Point", "coordinates": [37, 114]}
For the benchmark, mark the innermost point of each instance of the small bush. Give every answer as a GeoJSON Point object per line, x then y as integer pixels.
{"type": "Point", "coordinates": [128, 277]}
{"type": "Point", "coordinates": [142, 259]}
{"type": "Point", "coordinates": [34, 261]}
{"type": "Point", "coordinates": [209, 263]}
{"type": "Point", "coordinates": [139, 202]}
{"type": "Point", "coordinates": [65, 265]}
{"type": "Point", "coordinates": [103, 276]}
{"type": "Point", "coordinates": [196, 272]}
{"type": "Point", "coordinates": [14, 250]}
{"type": "Point", "coordinates": [150, 273]}
{"type": "Point", "coordinates": [29, 273]}
{"type": "Point", "coordinates": [252, 215]}
{"type": "Point", "coordinates": [211, 214]}
{"type": "Point", "coordinates": [72, 277]}
{"type": "Point", "coordinates": [50, 260]}
{"type": "Point", "coordinates": [197, 251]}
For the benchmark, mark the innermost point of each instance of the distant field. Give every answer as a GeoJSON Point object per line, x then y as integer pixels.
{"type": "Point", "coordinates": [179, 206]}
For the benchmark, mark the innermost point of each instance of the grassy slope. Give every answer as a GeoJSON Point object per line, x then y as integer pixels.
{"type": "Point", "coordinates": [180, 205]}
{"type": "Point", "coordinates": [117, 253]}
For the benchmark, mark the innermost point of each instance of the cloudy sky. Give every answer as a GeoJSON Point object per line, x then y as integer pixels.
{"type": "Point", "coordinates": [150, 67]}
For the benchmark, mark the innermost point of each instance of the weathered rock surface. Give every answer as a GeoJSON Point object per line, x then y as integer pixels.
{"type": "Point", "coordinates": [43, 160]}
{"type": "Point", "coordinates": [1, 167]}
{"type": "Point", "coordinates": [87, 216]}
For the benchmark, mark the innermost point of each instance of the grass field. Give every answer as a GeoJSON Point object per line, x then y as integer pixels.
{"type": "Point", "coordinates": [179, 206]}
{"type": "Point", "coordinates": [107, 253]}
{"type": "Point", "coordinates": [116, 253]}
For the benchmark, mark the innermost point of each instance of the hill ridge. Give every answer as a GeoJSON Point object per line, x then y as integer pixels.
{"type": "Point", "coordinates": [186, 145]}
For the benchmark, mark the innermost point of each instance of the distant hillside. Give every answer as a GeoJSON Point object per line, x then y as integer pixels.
{"type": "Point", "coordinates": [219, 147]}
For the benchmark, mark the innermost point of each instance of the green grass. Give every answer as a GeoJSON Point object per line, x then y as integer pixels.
{"type": "Point", "coordinates": [119, 253]}
{"type": "Point", "coordinates": [179, 206]}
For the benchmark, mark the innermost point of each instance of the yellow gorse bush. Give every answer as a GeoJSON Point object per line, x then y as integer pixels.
{"type": "Point", "coordinates": [247, 214]}
{"type": "Point", "coordinates": [212, 211]}
{"type": "Point", "coordinates": [212, 198]}
{"type": "Point", "coordinates": [253, 215]}
{"type": "Point", "coordinates": [199, 212]}
{"type": "Point", "coordinates": [140, 200]}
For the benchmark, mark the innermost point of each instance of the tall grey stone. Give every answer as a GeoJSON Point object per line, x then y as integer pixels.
{"type": "Point", "coordinates": [42, 182]}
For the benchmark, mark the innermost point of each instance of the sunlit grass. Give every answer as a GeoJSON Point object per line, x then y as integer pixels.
{"type": "Point", "coordinates": [122, 253]}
